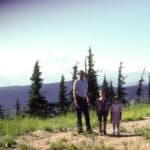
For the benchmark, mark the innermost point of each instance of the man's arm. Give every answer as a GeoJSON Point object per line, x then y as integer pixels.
{"type": "Point", "coordinates": [87, 99]}
{"type": "Point", "coordinates": [74, 94]}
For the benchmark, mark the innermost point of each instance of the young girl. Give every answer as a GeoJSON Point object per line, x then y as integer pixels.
{"type": "Point", "coordinates": [116, 113]}
{"type": "Point", "coordinates": [102, 111]}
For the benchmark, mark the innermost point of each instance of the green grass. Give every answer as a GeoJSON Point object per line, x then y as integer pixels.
{"type": "Point", "coordinates": [21, 126]}
{"type": "Point", "coordinates": [136, 112]}
{"type": "Point", "coordinates": [7, 142]}
{"type": "Point", "coordinates": [18, 126]}
{"type": "Point", "coordinates": [64, 145]}
{"type": "Point", "coordinates": [145, 132]}
{"type": "Point", "coordinates": [123, 129]}
{"type": "Point", "coordinates": [25, 147]}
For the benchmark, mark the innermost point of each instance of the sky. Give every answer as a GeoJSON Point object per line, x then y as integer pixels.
{"type": "Point", "coordinates": [58, 33]}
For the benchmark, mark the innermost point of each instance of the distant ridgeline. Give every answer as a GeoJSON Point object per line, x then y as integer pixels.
{"type": "Point", "coordinates": [9, 95]}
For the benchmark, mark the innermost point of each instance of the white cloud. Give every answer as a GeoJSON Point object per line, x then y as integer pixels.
{"type": "Point", "coordinates": [17, 66]}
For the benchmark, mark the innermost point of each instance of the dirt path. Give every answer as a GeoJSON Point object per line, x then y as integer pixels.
{"type": "Point", "coordinates": [128, 140]}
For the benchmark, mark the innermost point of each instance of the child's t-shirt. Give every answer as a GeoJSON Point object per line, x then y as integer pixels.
{"type": "Point", "coordinates": [102, 105]}
{"type": "Point", "coordinates": [116, 108]}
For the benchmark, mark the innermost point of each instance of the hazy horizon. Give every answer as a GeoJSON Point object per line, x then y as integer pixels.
{"type": "Point", "coordinates": [58, 34]}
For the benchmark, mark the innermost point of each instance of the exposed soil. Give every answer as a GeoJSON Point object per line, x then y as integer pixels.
{"type": "Point", "coordinates": [41, 140]}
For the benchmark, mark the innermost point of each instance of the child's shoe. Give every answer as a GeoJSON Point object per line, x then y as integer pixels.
{"type": "Point", "coordinates": [118, 132]}
{"type": "Point", "coordinates": [105, 133]}
{"type": "Point", "coordinates": [80, 130]}
{"type": "Point", "coordinates": [101, 133]}
{"type": "Point", "coordinates": [113, 131]}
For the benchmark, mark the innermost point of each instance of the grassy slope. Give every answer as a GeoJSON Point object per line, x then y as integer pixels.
{"type": "Point", "coordinates": [18, 126]}
{"type": "Point", "coordinates": [12, 127]}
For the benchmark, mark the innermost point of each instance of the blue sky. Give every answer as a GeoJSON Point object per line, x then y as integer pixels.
{"type": "Point", "coordinates": [58, 33]}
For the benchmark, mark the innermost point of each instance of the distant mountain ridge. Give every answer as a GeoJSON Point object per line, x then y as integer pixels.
{"type": "Point", "coordinates": [9, 94]}
{"type": "Point", "coordinates": [131, 79]}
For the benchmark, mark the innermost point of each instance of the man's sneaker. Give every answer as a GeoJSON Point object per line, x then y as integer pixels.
{"type": "Point", "coordinates": [101, 133]}
{"type": "Point", "coordinates": [80, 131]}
{"type": "Point", "coordinates": [89, 131]}
{"type": "Point", "coordinates": [105, 133]}
{"type": "Point", "coordinates": [118, 132]}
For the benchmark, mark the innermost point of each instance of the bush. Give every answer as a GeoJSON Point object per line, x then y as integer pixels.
{"type": "Point", "coordinates": [25, 147]}
{"type": "Point", "coordinates": [143, 132]}
{"type": "Point", "coordinates": [63, 145]}
{"type": "Point", "coordinates": [7, 142]}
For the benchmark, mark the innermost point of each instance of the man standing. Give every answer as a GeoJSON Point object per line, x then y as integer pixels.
{"type": "Point", "coordinates": [81, 100]}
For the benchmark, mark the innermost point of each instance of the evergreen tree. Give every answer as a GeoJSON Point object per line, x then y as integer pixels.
{"type": "Point", "coordinates": [92, 80]}
{"type": "Point", "coordinates": [48, 109]}
{"type": "Point", "coordinates": [85, 65]}
{"type": "Point", "coordinates": [121, 90]}
{"type": "Point", "coordinates": [44, 105]}
{"type": "Point", "coordinates": [62, 105]}
{"type": "Point", "coordinates": [149, 88]}
{"type": "Point", "coordinates": [139, 88]}
{"type": "Point", "coordinates": [17, 108]}
{"type": "Point", "coordinates": [105, 87]}
{"type": "Point", "coordinates": [1, 112]}
{"type": "Point", "coordinates": [75, 71]}
{"type": "Point", "coordinates": [37, 102]}
{"type": "Point", "coordinates": [111, 91]}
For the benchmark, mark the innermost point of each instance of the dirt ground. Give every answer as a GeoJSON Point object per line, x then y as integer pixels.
{"type": "Point", "coordinates": [128, 140]}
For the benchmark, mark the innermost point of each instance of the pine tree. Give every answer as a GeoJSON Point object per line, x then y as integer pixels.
{"type": "Point", "coordinates": [105, 87]}
{"type": "Point", "coordinates": [92, 80]}
{"type": "Point", "coordinates": [85, 65]}
{"type": "Point", "coordinates": [37, 102]}
{"type": "Point", "coordinates": [62, 105]}
{"type": "Point", "coordinates": [1, 112]}
{"type": "Point", "coordinates": [139, 88]}
{"type": "Point", "coordinates": [149, 88]}
{"type": "Point", "coordinates": [139, 91]}
{"type": "Point", "coordinates": [121, 90]}
{"type": "Point", "coordinates": [17, 108]}
{"type": "Point", "coordinates": [75, 70]}
{"type": "Point", "coordinates": [111, 91]}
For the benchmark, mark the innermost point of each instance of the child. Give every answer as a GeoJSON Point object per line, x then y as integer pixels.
{"type": "Point", "coordinates": [102, 111]}
{"type": "Point", "coordinates": [116, 113]}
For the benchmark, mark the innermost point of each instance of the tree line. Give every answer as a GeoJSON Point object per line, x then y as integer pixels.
{"type": "Point", "coordinates": [38, 105]}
